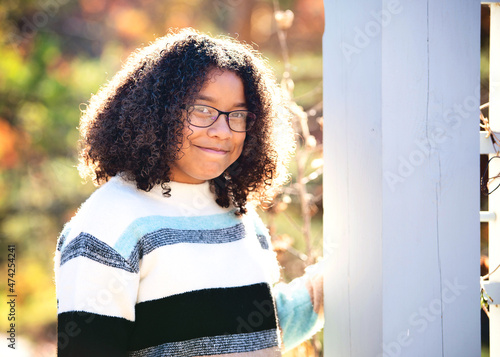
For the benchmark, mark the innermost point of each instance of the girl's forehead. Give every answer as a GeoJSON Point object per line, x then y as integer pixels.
{"type": "Point", "coordinates": [213, 74]}
{"type": "Point", "coordinates": [224, 87]}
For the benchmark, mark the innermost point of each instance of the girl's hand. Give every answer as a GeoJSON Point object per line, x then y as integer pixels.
{"type": "Point", "coordinates": [315, 287]}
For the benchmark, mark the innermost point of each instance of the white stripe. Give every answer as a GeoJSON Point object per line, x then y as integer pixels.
{"type": "Point", "coordinates": [100, 289]}
{"type": "Point", "coordinates": [189, 267]}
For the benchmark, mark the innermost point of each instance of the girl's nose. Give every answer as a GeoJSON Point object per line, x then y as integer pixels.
{"type": "Point", "coordinates": [220, 128]}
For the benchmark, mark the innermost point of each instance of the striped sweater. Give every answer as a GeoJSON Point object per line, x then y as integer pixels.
{"type": "Point", "coordinates": [140, 274]}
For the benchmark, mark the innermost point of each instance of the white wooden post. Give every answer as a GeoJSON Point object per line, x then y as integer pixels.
{"type": "Point", "coordinates": [494, 167]}
{"type": "Point", "coordinates": [401, 94]}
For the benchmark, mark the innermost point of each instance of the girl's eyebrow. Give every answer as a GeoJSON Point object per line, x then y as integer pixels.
{"type": "Point", "coordinates": [212, 100]}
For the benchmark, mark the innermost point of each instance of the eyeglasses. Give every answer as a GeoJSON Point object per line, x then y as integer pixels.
{"type": "Point", "coordinates": [203, 116]}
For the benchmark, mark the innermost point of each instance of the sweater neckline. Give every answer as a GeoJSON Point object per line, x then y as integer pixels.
{"type": "Point", "coordinates": [179, 191]}
{"type": "Point", "coordinates": [184, 190]}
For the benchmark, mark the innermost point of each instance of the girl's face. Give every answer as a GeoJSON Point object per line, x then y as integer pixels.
{"type": "Point", "coordinates": [208, 152]}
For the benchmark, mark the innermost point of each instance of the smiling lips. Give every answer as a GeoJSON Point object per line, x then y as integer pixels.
{"type": "Point", "coordinates": [213, 150]}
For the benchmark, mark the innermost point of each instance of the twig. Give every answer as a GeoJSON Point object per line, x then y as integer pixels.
{"type": "Point", "coordinates": [302, 120]}
{"type": "Point", "coordinates": [487, 276]}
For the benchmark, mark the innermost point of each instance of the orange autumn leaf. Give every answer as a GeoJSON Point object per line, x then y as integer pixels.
{"type": "Point", "coordinates": [8, 140]}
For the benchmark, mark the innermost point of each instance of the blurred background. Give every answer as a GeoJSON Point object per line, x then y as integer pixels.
{"type": "Point", "coordinates": [55, 53]}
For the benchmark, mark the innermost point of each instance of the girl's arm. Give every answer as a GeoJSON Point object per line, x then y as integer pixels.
{"type": "Point", "coordinates": [300, 307]}
{"type": "Point", "coordinates": [96, 291]}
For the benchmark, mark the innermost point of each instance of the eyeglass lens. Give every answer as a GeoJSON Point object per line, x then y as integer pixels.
{"type": "Point", "coordinates": [204, 116]}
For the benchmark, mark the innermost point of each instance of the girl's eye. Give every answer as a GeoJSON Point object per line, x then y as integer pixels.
{"type": "Point", "coordinates": [238, 115]}
{"type": "Point", "coordinates": [203, 111]}
{"type": "Point", "coordinates": [200, 109]}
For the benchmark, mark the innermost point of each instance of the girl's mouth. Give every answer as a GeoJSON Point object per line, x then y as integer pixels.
{"type": "Point", "coordinates": [213, 150]}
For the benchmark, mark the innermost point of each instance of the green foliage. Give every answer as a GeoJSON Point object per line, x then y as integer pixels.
{"type": "Point", "coordinates": [485, 65]}
{"type": "Point", "coordinates": [40, 94]}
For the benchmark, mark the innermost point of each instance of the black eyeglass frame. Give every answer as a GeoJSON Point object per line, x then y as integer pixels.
{"type": "Point", "coordinates": [249, 123]}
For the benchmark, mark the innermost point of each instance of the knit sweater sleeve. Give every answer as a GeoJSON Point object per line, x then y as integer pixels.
{"type": "Point", "coordinates": [96, 281]}
{"type": "Point", "coordinates": [297, 319]}
{"type": "Point", "coordinates": [97, 289]}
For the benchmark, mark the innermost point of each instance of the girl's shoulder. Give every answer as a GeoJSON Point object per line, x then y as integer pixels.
{"type": "Point", "coordinates": [119, 208]}
{"type": "Point", "coordinates": [107, 212]}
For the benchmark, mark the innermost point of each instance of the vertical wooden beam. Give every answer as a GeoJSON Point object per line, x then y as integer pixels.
{"type": "Point", "coordinates": [494, 169]}
{"type": "Point", "coordinates": [401, 221]}
{"type": "Point", "coordinates": [353, 180]}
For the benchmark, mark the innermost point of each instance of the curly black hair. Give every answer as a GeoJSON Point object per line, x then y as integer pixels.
{"type": "Point", "coordinates": [133, 125]}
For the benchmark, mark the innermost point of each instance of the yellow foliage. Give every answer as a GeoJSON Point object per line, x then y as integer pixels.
{"type": "Point", "coordinates": [35, 300]}
{"type": "Point", "coordinates": [305, 349]}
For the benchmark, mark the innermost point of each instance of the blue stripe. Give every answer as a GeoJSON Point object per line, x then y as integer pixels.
{"type": "Point", "coordinates": [145, 225]}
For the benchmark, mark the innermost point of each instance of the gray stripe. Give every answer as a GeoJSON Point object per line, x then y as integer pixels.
{"type": "Point", "coordinates": [60, 242]}
{"type": "Point", "coordinates": [214, 345]}
{"type": "Point", "coordinates": [62, 237]}
{"type": "Point", "coordinates": [169, 236]}
{"type": "Point", "coordinates": [86, 245]}
{"type": "Point", "coordinates": [263, 241]}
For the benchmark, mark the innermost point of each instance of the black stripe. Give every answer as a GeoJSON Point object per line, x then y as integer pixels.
{"type": "Point", "coordinates": [81, 334]}
{"type": "Point", "coordinates": [214, 345]}
{"type": "Point", "coordinates": [202, 313]}
{"type": "Point", "coordinates": [86, 245]}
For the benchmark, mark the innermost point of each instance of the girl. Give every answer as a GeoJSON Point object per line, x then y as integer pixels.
{"type": "Point", "coordinates": [168, 257]}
